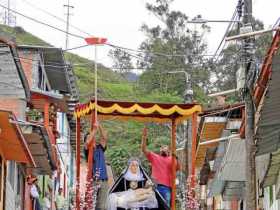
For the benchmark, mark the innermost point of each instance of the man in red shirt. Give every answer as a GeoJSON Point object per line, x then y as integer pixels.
{"type": "Point", "coordinates": [161, 167]}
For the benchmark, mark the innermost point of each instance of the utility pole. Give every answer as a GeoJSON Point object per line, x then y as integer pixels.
{"type": "Point", "coordinates": [68, 7]}
{"type": "Point", "coordinates": [7, 13]}
{"type": "Point", "coordinates": [188, 98]}
{"type": "Point", "coordinates": [250, 191]}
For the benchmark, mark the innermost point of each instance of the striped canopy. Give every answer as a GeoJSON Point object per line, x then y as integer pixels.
{"type": "Point", "coordinates": [142, 112]}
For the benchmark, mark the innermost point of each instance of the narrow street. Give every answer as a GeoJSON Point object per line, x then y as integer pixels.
{"type": "Point", "coordinates": [139, 105]}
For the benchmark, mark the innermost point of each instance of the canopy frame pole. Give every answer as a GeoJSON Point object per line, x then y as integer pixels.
{"type": "Point", "coordinates": [95, 81]}
{"type": "Point", "coordinates": [78, 161]}
{"type": "Point", "coordinates": [90, 160]}
{"type": "Point", "coordinates": [173, 152]}
{"type": "Point", "coordinates": [194, 147]}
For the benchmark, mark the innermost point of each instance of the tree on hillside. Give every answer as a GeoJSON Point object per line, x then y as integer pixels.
{"type": "Point", "coordinates": [173, 46]}
{"type": "Point", "coordinates": [121, 60]}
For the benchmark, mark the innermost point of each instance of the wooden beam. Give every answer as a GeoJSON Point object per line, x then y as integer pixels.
{"type": "Point", "coordinates": [46, 114]}
{"type": "Point", "coordinates": [78, 156]}
{"type": "Point", "coordinates": [254, 33]}
{"type": "Point", "coordinates": [173, 152]}
{"type": "Point", "coordinates": [219, 139]}
{"type": "Point", "coordinates": [223, 93]}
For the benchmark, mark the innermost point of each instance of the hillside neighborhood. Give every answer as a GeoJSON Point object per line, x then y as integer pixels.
{"type": "Point", "coordinates": [166, 126]}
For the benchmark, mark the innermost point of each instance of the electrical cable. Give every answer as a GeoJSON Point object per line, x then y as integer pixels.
{"type": "Point", "coordinates": [43, 23]}
{"type": "Point", "coordinates": [56, 17]}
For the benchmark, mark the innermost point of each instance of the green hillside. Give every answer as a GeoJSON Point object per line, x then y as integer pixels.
{"type": "Point", "coordinates": [124, 138]}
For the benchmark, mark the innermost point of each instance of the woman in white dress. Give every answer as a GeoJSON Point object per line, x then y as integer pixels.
{"type": "Point", "coordinates": [135, 196]}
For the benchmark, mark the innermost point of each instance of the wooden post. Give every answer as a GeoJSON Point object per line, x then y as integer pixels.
{"type": "Point", "coordinates": [46, 114]}
{"type": "Point", "coordinates": [91, 148]}
{"type": "Point", "coordinates": [78, 156]}
{"type": "Point", "coordinates": [90, 161]}
{"type": "Point", "coordinates": [173, 152]}
{"type": "Point", "coordinates": [194, 144]}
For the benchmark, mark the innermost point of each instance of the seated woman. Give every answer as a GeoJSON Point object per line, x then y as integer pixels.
{"type": "Point", "coordinates": [134, 190]}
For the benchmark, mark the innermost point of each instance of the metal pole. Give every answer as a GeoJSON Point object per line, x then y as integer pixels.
{"type": "Point", "coordinates": [219, 139]}
{"type": "Point", "coordinates": [250, 191]}
{"type": "Point", "coordinates": [254, 33]}
{"type": "Point", "coordinates": [67, 23]}
{"type": "Point", "coordinates": [95, 81]}
{"type": "Point", "coordinates": [9, 13]}
{"type": "Point", "coordinates": [173, 152]}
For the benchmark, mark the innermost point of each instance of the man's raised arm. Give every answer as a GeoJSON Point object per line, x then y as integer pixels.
{"type": "Point", "coordinates": [91, 136]}
{"type": "Point", "coordinates": [144, 141]}
{"type": "Point", "coordinates": [104, 137]}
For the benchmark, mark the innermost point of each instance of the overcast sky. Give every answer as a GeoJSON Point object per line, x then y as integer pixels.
{"type": "Point", "coordinates": [120, 20]}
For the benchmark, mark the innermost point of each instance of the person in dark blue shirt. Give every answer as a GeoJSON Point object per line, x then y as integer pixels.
{"type": "Point", "coordinates": [99, 164]}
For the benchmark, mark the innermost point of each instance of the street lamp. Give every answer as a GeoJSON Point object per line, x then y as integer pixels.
{"type": "Point", "coordinates": [203, 21]}
{"type": "Point", "coordinates": [188, 94]}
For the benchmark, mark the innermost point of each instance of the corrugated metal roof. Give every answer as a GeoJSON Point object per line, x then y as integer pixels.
{"type": "Point", "coordinates": [233, 165]}
{"type": "Point", "coordinates": [216, 187]}
{"type": "Point", "coordinates": [262, 165]}
{"type": "Point", "coordinates": [268, 131]}
{"type": "Point", "coordinates": [273, 170]}
{"type": "Point", "coordinates": [12, 79]}
{"type": "Point", "coordinates": [55, 66]}
{"type": "Point", "coordinates": [234, 190]}
{"type": "Point", "coordinates": [230, 170]}
{"type": "Point", "coordinates": [56, 73]}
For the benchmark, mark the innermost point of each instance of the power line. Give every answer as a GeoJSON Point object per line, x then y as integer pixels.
{"type": "Point", "coordinates": [43, 23]}
{"type": "Point", "coordinates": [56, 17]}
{"type": "Point", "coordinates": [75, 48]}
{"type": "Point", "coordinates": [225, 35]}
{"type": "Point", "coordinates": [155, 53]}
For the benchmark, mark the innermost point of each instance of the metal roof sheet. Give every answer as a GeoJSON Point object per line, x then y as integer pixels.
{"type": "Point", "coordinates": [273, 170]}
{"type": "Point", "coordinates": [13, 82]}
{"type": "Point", "coordinates": [54, 64]}
{"type": "Point", "coordinates": [229, 166]}
{"type": "Point", "coordinates": [233, 166]}
{"type": "Point", "coordinates": [268, 130]}
{"type": "Point", "coordinates": [234, 190]}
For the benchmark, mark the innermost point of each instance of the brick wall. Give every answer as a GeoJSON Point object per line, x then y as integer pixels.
{"type": "Point", "coordinates": [27, 65]}
{"type": "Point", "coordinates": [17, 106]}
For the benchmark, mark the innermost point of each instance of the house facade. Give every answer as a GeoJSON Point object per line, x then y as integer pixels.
{"type": "Point", "coordinates": [38, 94]}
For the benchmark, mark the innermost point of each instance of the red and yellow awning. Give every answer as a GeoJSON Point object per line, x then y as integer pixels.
{"type": "Point", "coordinates": [143, 112]}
